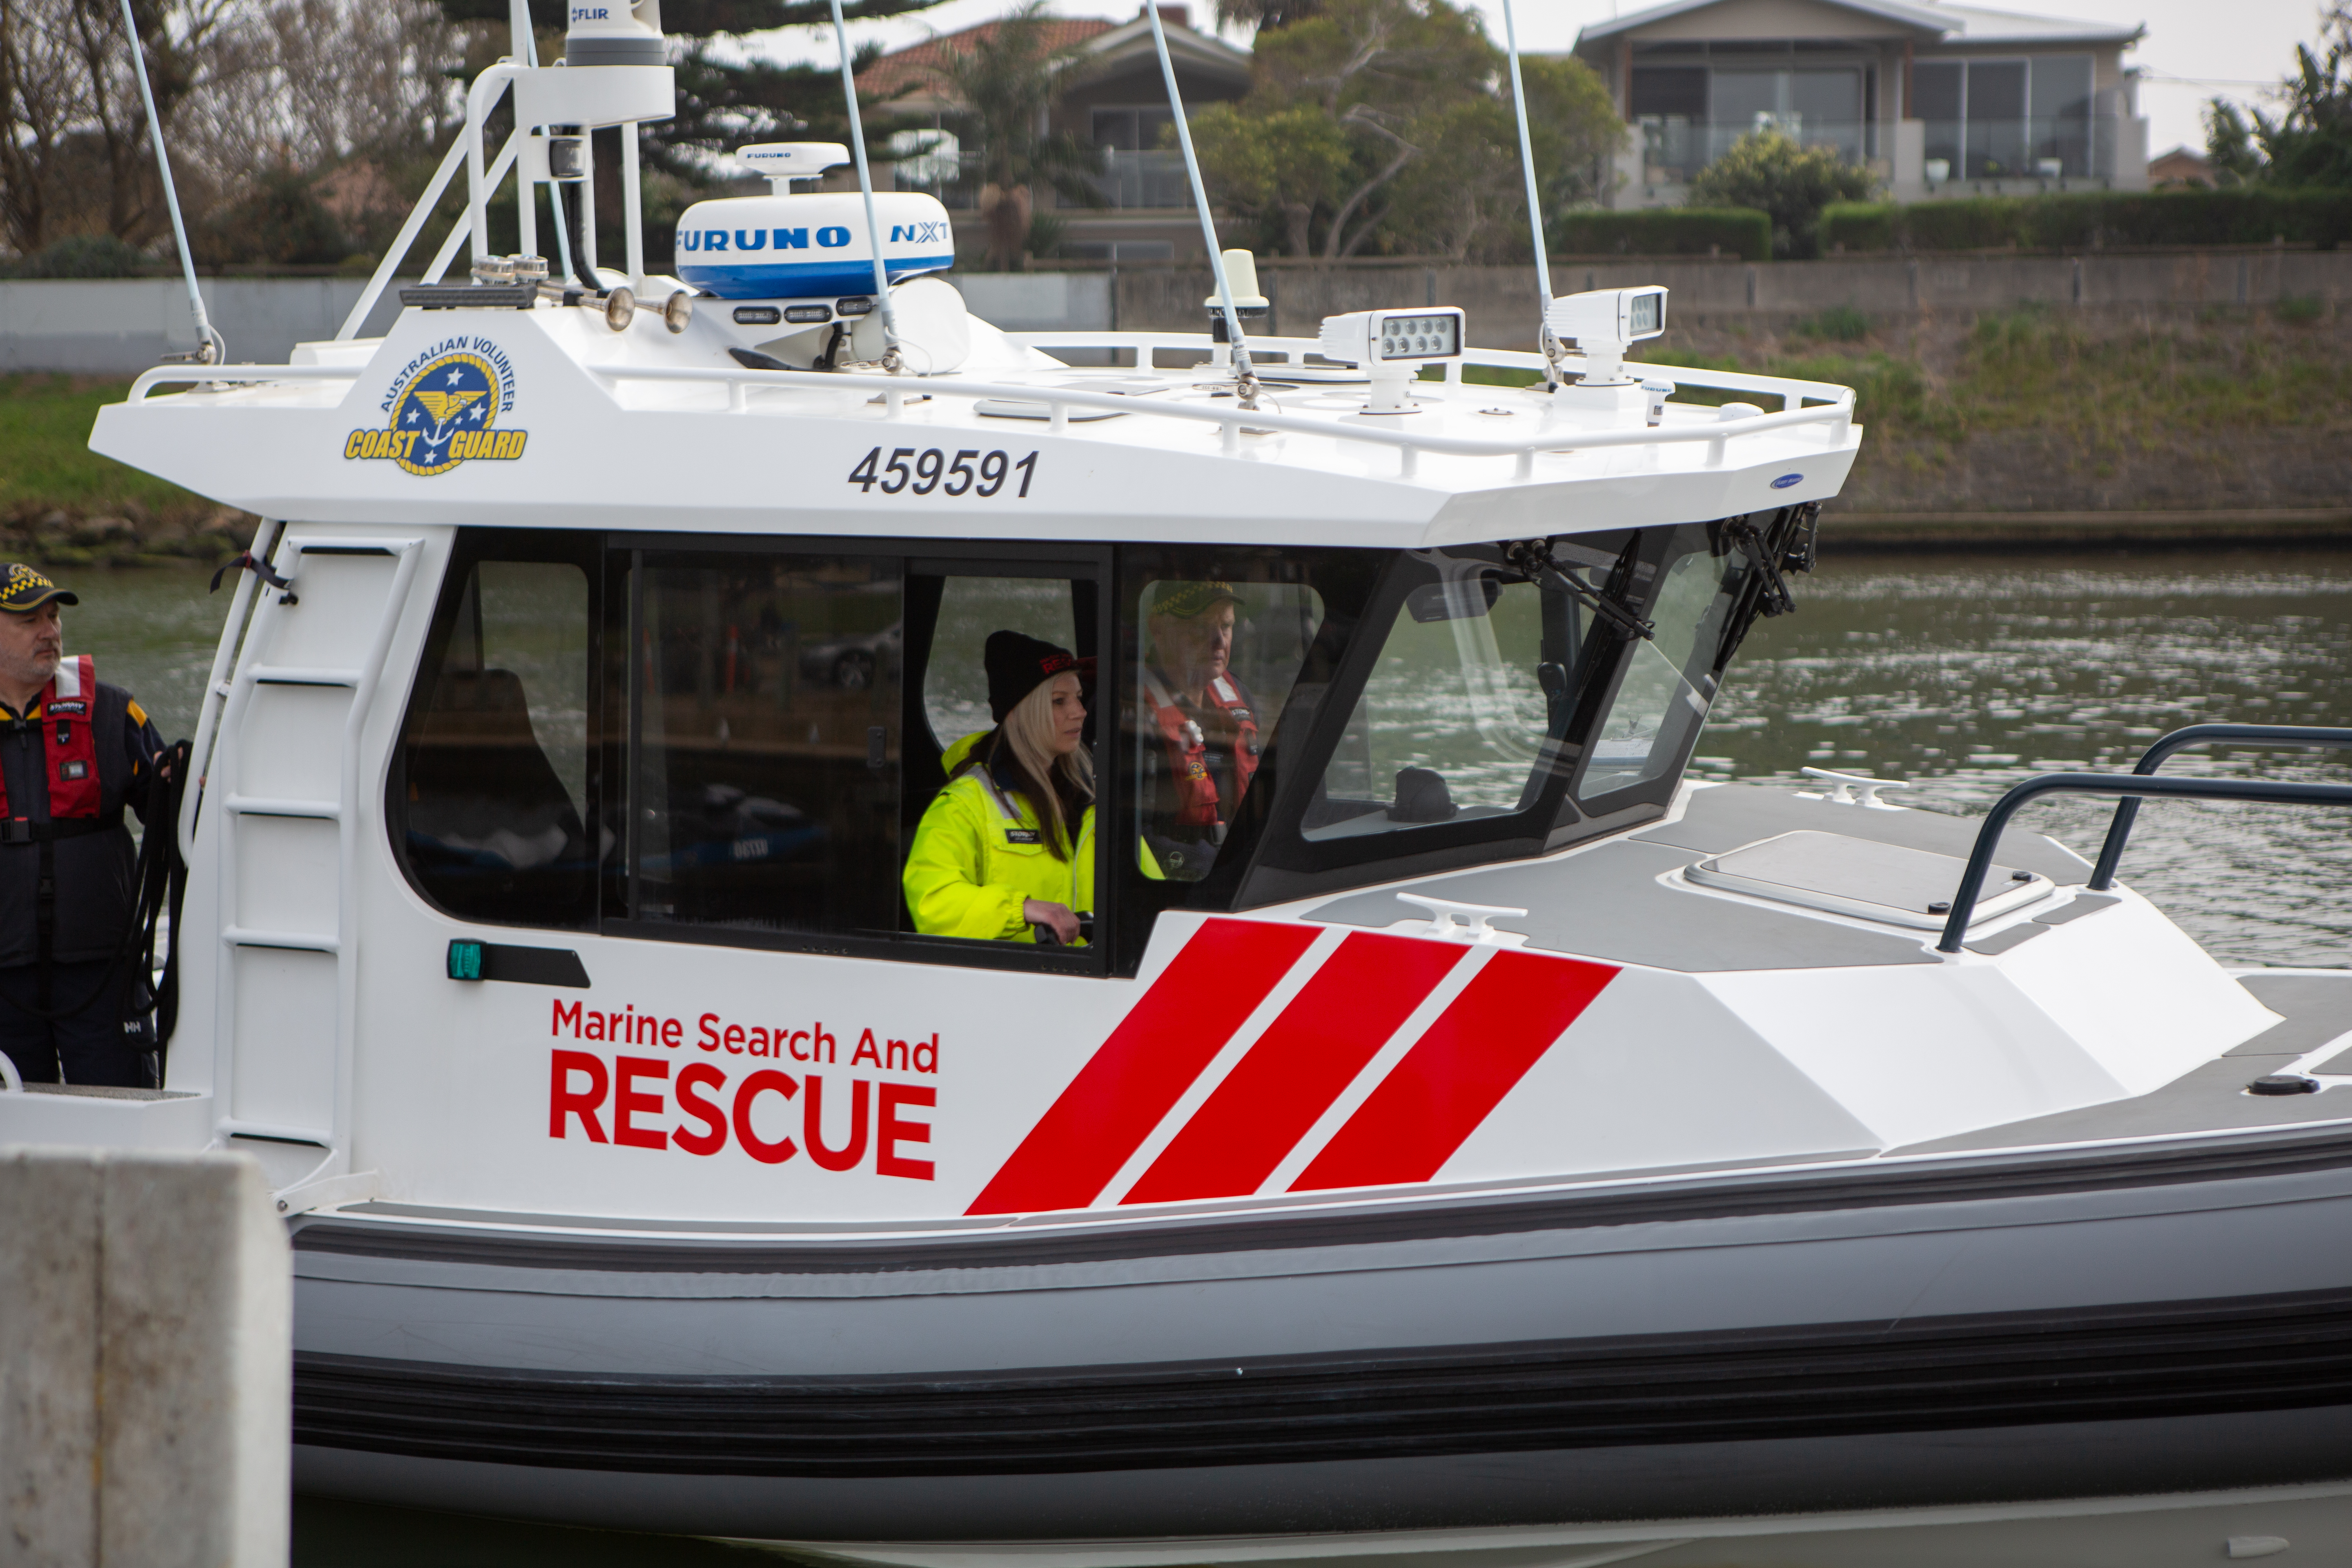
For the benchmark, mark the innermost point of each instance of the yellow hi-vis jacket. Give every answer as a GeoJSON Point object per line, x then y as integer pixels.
{"type": "Point", "coordinates": [980, 853]}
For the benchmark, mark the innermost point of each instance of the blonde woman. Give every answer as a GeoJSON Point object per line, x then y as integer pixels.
{"type": "Point", "coordinates": [1006, 851]}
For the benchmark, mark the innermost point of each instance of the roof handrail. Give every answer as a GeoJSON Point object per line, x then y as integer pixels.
{"type": "Point", "coordinates": [1059, 401]}
{"type": "Point", "coordinates": [2112, 851]}
{"type": "Point", "coordinates": [2276, 793]}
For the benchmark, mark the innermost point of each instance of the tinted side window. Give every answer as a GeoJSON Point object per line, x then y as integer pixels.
{"type": "Point", "coordinates": [492, 793]}
{"type": "Point", "coordinates": [955, 682]}
{"type": "Point", "coordinates": [1215, 660]}
{"type": "Point", "coordinates": [764, 772]}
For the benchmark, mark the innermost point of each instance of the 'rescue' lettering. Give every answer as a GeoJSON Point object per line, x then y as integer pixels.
{"type": "Point", "coordinates": [757, 1109]}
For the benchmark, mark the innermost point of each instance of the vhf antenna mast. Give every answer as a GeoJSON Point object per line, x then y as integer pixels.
{"type": "Point", "coordinates": [890, 355]}
{"type": "Point", "coordinates": [211, 348]}
{"type": "Point", "coordinates": [1244, 376]}
{"type": "Point", "coordinates": [1550, 343]}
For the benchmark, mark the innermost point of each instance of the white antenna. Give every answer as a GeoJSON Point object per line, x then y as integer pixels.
{"type": "Point", "coordinates": [1550, 343]}
{"type": "Point", "coordinates": [1245, 377]}
{"type": "Point", "coordinates": [211, 348]}
{"type": "Point", "coordinates": [866, 185]}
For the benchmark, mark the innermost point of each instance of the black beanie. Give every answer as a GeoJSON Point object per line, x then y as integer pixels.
{"type": "Point", "coordinates": [1018, 665]}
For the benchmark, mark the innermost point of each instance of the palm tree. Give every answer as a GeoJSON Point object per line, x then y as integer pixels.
{"type": "Point", "coordinates": [1009, 76]}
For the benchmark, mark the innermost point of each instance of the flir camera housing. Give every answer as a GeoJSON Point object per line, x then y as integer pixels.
{"type": "Point", "coordinates": [1391, 346]}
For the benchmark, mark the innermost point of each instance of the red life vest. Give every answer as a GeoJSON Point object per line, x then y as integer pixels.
{"type": "Point", "coordinates": [1197, 805]}
{"type": "Point", "coordinates": [68, 744]}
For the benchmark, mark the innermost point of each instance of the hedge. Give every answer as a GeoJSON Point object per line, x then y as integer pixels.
{"type": "Point", "coordinates": [1743, 232]}
{"type": "Point", "coordinates": [2091, 219]}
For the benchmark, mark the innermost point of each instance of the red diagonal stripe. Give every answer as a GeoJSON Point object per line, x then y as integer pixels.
{"type": "Point", "coordinates": [1150, 1059]}
{"type": "Point", "coordinates": [1503, 1022]}
{"type": "Point", "coordinates": [1307, 1056]}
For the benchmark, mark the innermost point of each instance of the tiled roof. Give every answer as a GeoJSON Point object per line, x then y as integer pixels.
{"type": "Point", "coordinates": [910, 70]}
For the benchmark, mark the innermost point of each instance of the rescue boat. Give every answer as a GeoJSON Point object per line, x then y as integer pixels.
{"type": "Point", "coordinates": [1471, 1142]}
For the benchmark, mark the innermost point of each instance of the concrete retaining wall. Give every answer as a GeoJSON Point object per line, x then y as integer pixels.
{"type": "Point", "coordinates": [1501, 300]}
{"type": "Point", "coordinates": [121, 327]}
{"type": "Point", "coordinates": [145, 1361]}
{"type": "Point", "coordinates": [1037, 301]}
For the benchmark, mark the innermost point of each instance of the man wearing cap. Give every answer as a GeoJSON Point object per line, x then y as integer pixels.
{"type": "Point", "coordinates": [1207, 724]}
{"type": "Point", "coordinates": [73, 751]}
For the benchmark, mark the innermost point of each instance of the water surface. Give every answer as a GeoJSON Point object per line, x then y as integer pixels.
{"type": "Point", "coordinates": [1963, 675]}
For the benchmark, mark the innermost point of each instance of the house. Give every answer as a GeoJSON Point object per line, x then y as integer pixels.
{"type": "Point", "coordinates": [2181, 170]}
{"type": "Point", "coordinates": [1114, 99]}
{"type": "Point", "coordinates": [1938, 100]}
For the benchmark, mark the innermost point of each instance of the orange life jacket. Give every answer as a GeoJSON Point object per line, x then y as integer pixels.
{"type": "Point", "coordinates": [68, 742]}
{"type": "Point", "coordinates": [1197, 805]}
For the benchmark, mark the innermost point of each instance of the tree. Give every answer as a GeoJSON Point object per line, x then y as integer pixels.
{"type": "Point", "coordinates": [2310, 144]}
{"type": "Point", "coordinates": [1265, 15]}
{"type": "Point", "coordinates": [1007, 77]}
{"type": "Point", "coordinates": [282, 220]}
{"type": "Point", "coordinates": [1385, 127]}
{"type": "Point", "coordinates": [247, 90]}
{"type": "Point", "coordinates": [2229, 144]}
{"type": "Point", "coordinates": [1768, 170]}
{"type": "Point", "coordinates": [1467, 194]}
{"type": "Point", "coordinates": [77, 156]}
{"type": "Point", "coordinates": [1278, 167]}
{"type": "Point", "coordinates": [725, 100]}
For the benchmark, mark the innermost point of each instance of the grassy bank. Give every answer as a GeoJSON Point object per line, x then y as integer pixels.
{"type": "Point", "coordinates": [61, 502]}
{"type": "Point", "coordinates": [2036, 409]}
{"type": "Point", "coordinates": [2109, 386]}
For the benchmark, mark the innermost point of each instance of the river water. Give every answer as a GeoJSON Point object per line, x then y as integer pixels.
{"type": "Point", "coordinates": [1958, 675]}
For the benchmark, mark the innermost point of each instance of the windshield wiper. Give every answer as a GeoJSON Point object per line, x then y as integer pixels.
{"type": "Point", "coordinates": [1533, 558]}
{"type": "Point", "coordinates": [1775, 599]}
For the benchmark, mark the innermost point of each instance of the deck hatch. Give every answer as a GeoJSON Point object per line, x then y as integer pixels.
{"type": "Point", "coordinates": [1844, 876]}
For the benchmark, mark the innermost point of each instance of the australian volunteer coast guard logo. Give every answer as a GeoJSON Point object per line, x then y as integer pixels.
{"type": "Point", "coordinates": [444, 409]}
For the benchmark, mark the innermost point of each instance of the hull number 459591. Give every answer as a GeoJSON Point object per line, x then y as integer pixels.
{"type": "Point", "coordinates": [934, 470]}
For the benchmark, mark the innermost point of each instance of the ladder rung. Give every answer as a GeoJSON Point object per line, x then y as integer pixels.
{"type": "Point", "coordinates": [261, 805]}
{"type": "Point", "coordinates": [302, 941]}
{"type": "Point", "coordinates": [291, 675]}
{"type": "Point", "coordinates": [237, 1127]}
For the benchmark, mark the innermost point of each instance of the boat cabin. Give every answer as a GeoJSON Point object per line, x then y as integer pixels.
{"type": "Point", "coordinates": [730, 741]}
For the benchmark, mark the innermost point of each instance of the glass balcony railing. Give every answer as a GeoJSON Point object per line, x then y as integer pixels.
{"type": "Point", "coordinates": [2057, 147]}
{"type": "Point", "coordinates": [1675, 149]}
{"type": "Point", "coordinates": [955, 178]}
{"type": "Point", "coordinates": [1147, 179]}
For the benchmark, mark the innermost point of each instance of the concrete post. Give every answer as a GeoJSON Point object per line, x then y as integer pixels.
{"type": "Point", "coordinates": [146, 1305]}
{"type": "Point", "coordinates": [1909, 183]}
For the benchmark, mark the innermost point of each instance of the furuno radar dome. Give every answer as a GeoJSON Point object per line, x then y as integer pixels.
{"type": "Point", "coordinates": [811, 244]}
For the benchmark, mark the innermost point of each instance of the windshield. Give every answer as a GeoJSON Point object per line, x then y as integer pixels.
{"type": "Point", "coordinates": [1492, 667]}
{"type": "Point", "coordinates": [1455, 720]}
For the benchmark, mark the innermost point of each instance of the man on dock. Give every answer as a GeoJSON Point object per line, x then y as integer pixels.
{"type": "Point", "coordinates": [74, 750]}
